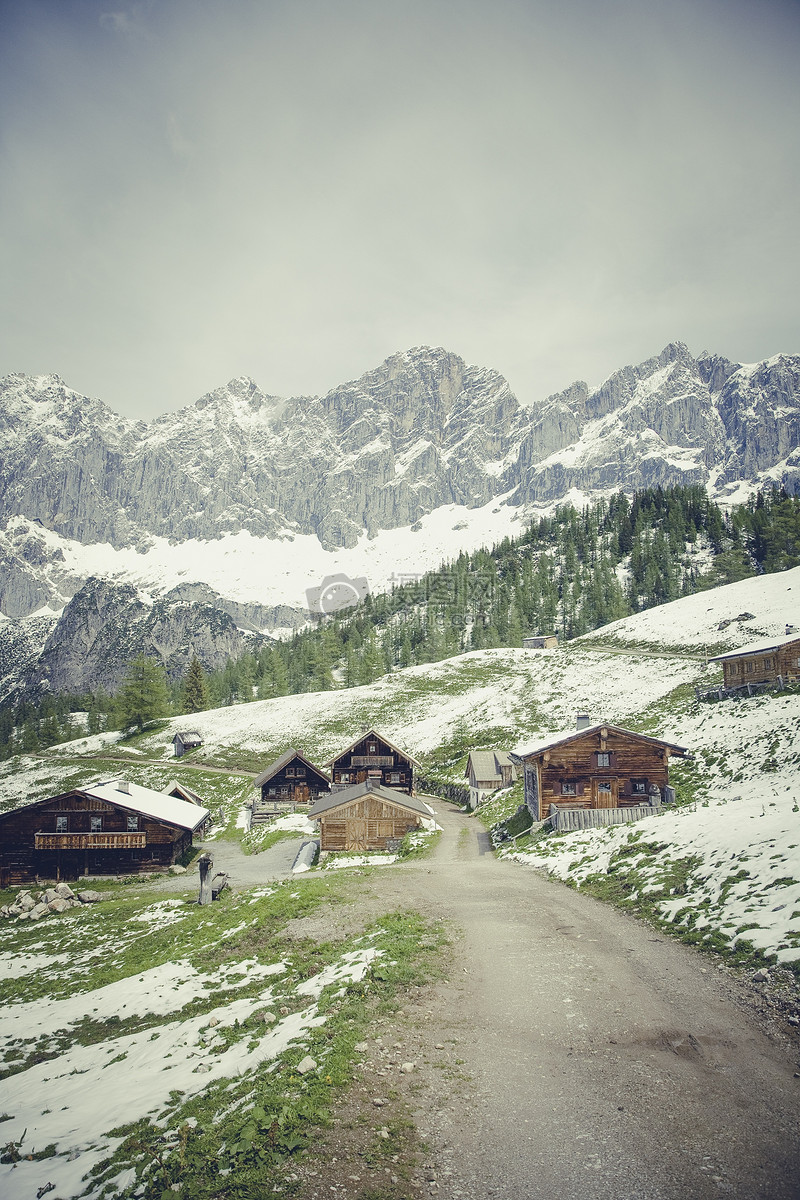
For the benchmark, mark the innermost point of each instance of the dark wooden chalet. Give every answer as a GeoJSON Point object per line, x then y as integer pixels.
{"type": "Point", "coordinates": [769, 661]}
{"type": "Point", "coordinates": [189, 739]}
{"type": "Point", "coordinates": [597, 767]}
{"type": "Point", "coordinates": [367, 816]}
{"type": "Point", "coordinates": [372, 756]}
{"type": "Point", "coordinates": [290, 782]}
{"type": "Point", "coordinates": [546, 641]}
{"type": "Point", "coordinates": [488, 770]}
{"type": "Point", "coordinates": [114, 828]}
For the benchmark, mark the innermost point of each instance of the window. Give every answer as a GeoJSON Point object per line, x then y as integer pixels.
{"type": "Point", "coordinates": [394, 777]}
{"type": "Point", "coordinates": [749, 668]}
{"type": "Point", "coordinates": [62, 824]}
{"type": "Point", "coordinates": [300, 772]}
{"type": "Point", "coordinates": [290, 772]}
{"type": "Point", "coordinates": [734, 668]}
{"type": "Point", "coordinates": [639, 787]}
{"type": "Point", "coordinates": [767, 664]}
{"type": "Point", "coordinates": [604, 785]}
{"type": "Point", "coordinates": [568, 789]}
{"type": "Point", "coordinates": [604, 759]}
{"type": "Point", "coordinates": [345, 777]}
{"type": "Point", "coordinates": [272, 791]}
{"type": "Point", "coordinates": [95, 824]}
{"type": "Point", "coordinates": [372, 748]}
{"type": "Point", "coordinates": [133, 823]}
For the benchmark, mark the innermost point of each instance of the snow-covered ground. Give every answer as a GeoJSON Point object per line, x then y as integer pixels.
{"type": "Point", "coordinates": [728, 616]}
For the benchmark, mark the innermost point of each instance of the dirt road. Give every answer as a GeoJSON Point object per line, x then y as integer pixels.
{"type": "Point", "coordinates": [596, 1058]}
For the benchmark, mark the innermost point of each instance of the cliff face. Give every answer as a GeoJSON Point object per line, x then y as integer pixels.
{"type": "Point", "coordinates": [102, 628]}
{"type": "Point", "coordinates": [422, 430]}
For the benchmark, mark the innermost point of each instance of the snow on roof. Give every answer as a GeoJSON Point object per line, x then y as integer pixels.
{"type": "Point", "coordinates": [151, 804]}
{"type": "Point", "coordinates": [758, 647]}
{"type": "Point", "coordinates": [556, 739]}
{"type": "Point", "coordinates": [346, 795]}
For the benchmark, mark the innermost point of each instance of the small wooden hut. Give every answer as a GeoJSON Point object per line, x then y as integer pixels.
{"type": "Point", "coordinates": [769, 661]}
{"type": "Point", "coordinates": [488, 770]}
{"type": "Point", "coordinates": [189, 739]}
{"type": "Point", "coordinates": [367, 816]}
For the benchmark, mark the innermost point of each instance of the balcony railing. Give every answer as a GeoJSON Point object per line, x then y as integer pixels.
{"type": "Point", "coordinates": [90, 841]}
{"type": "Point", "coordinates": [371, 760]}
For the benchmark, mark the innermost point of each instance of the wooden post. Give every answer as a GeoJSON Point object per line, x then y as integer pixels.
{"type": "Point", "coordinates": [205, 862]}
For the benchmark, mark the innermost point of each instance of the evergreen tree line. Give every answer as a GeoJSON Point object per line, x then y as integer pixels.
{"type": "Point", "coordinates": [568, 573]}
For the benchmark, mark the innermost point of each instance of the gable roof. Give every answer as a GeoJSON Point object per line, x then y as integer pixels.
{"type": "Point", "coordinates": [157, 805]}
{"type": "Point", "coordinates": [182, 792]}
{"type": "Point", "coordinates": [558, 739]}
{"type": "Point", "coordinates": [187, 735]}
{"type": "Point", "coordinates": [362, 737]}
{"type": "Point", "coordinates": [758, 647]}
{"type": "Point", "coordinates": [486, 764]}
{"type": "Point", "coordinates": [284, 761]}
{"type": "Point", "coordinates": [347, 795]}
{"type": "Point", "coordinates": [134, 799]}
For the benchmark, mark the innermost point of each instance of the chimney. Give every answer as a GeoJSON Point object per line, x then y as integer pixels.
{"type": "Point", "coordinates": [583, 721]}
{"type": "Point", "coordinates": [124, 786]}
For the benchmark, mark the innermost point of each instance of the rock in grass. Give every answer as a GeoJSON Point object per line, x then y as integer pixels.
{"type": "Point", "coordinates": [90, 897]}
{"type": "Point", "coordinates": [306, 1065]}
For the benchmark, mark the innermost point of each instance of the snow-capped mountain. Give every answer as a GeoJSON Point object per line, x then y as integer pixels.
{"type": "Point", "coordinates": [260, 497]}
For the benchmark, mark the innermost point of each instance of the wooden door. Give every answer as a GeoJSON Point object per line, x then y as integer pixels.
{"type": "Point", "coordinates": [605, 793]}
{"type": "Point", "coordinates": [301, 793]}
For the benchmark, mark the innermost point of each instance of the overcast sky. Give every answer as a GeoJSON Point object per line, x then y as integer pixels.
{"type": "Point", "coordinates": [192, 190]}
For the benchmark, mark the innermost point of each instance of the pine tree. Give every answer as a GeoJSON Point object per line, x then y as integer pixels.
{"type": "Point", "coordinates": [195, 697]}
{"type": "Point", "coordinates": [143, 696]}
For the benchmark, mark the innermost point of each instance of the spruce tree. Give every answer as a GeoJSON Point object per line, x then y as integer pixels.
{"type": "Point", "coordinates": [196, 696]}
{"type": "Point", "coordinates": [143, 696]}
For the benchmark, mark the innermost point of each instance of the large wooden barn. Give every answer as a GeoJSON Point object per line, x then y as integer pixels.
{"type": "Point", "coordinates": [113, 828]}
{"type": "Point", "coordinates": [766, 662]}
{"type": "Point", "coordinates": [367, 816]}
{"type": "Point", "coordinates": [597, 767]}
{"type": "Point", "coordinates": [372, 756]}
{"type": "Point", "coordinates": [288, 783]}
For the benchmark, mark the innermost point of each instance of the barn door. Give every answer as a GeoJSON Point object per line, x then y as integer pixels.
{"type": "Point", "coordinates": [301, 793]}
{"type": "Point", "coordinates": [357, 834]}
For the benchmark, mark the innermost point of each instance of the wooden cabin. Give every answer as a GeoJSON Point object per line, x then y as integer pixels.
{"type": "Point", "coordinates": [488, 770]}
{"type": "Point", "coordinates": [600, 766]}
{"type": "Point", "coordinates": [372, 756]}
{"type": "Point", "coordinates": [770, 661]}
{"type": "Point", "coordinates": [181, 792]}
{"type": "Point", "coordinates": [290, 782]}
{"type": "Point", "coordinates": [114, 828]}
{"type": "Point", "coordinates": [367, 816]}
{"type": "Point", "coordinates": [189, 739]}
{"type": "Point", "coordinates": [547, 641]}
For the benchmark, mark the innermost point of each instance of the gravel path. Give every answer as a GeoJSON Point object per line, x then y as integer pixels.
{"type": "Point", "coordinates": [586, 1054]}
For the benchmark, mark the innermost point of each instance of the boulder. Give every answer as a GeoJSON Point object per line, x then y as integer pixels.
{"type": "Point", "coordinates": [89, 897]}
{"type": "Point", "coordinates": [65, 891]}
{"type": "Point", "coordinates": [59, 905]}
{"type": "Point", "coordinates": [175, 869]}
{"type": "Point", "coordinates": [306, 1065]}
{"type": "Point", "coordinates": [38, 910]}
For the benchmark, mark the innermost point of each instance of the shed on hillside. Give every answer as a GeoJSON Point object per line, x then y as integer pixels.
{"type": "Point", "coordinates": [488, 770]}
{"type": "Point", "coordinates": [765, 662]}
{"type": "Point", "coordinates": [372, 756]}
{"type": "Point", "coordinates": [189, 739]}
{"type": "Point", "coordinates": [113, 828]}
{"type": "Point", "coordinates": [547, 641]}
{"type": "Point", "coordinates": [367, 816]}
{"type": "Point", "coordinates": [602, 766]}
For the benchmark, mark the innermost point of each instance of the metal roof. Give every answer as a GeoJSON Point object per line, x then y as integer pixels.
{"type": "Point", "coordinates": [486, 764]}
{"type": "Point", "coordinates": [368, 787]}
{"type": "Point", "coordinates": [139, 799]}
{"type": "Point", "coordinates": [758, 647]}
